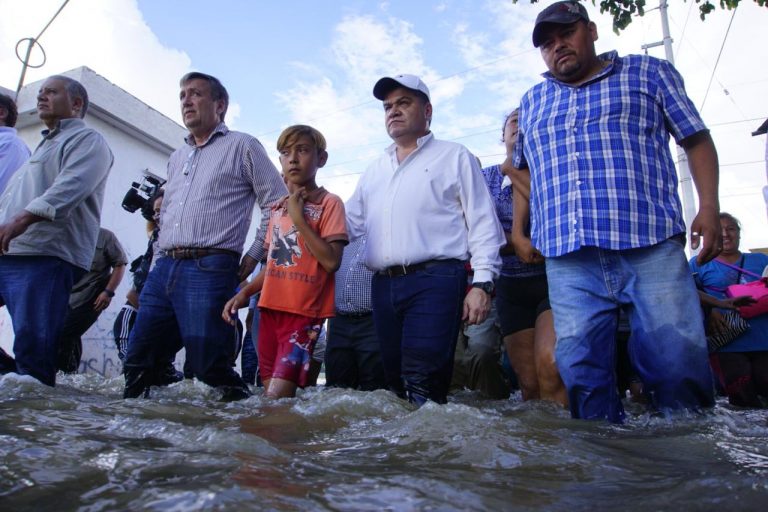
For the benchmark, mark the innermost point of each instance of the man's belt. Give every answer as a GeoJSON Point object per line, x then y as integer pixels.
{"type": "Point", "coordinates": [193, 253]}
{"type": "Point", "coordinates": [360, 314]}
{"type": "Point", "coordinates": [404, 270]}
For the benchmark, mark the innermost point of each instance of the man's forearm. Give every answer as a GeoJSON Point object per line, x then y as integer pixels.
{"type": "Point", "coordinates": [16, 226]}
{"type": "Point", "coordinates": [705, 172]}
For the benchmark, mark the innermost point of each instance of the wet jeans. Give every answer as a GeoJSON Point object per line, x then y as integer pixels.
{"type": "Point", "coordinates": [35, 289]}
{"type": "Point", "coordinates": [417, 319]}
{"type": "Point", "coordinates": [667, 346]}
{"type": "Point", "coordinates": [182, 302]}
{"type": "Point", "coordinates": [353, 353]}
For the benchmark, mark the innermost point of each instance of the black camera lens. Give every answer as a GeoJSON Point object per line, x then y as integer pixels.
{"type": "Point", "coordinates": [133, 200]}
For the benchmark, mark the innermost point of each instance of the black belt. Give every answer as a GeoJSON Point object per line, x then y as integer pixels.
{"type": "Point", "coordinates": [193, 253]}
{"type": "Point", "coordinates": [404, 270]}
{"type": "Point", "coordinates": [355, 315]}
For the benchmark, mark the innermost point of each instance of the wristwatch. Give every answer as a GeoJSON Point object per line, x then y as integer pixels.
{"type": "Point", "coordinates": [109, 292]}
{"type": "Point", "coordinates": [486, 286]}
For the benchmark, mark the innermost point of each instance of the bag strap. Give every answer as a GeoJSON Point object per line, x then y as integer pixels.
{"type": "Point", "coordinates": [740, 269]}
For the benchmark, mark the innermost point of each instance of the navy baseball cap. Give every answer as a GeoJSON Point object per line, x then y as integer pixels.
{"type": "Point", "coordinates": [562, 13]}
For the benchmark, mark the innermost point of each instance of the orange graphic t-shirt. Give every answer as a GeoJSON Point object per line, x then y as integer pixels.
{"type": "Point", "coordinates": [295, 281]}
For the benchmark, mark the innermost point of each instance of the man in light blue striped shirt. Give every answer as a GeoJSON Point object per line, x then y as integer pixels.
{"type": "Point", "coordinates": [213, 182]}
{"type": "Point", "coordinates": [606, 215]}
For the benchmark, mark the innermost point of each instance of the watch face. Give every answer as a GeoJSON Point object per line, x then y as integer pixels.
{"type": "Point", "coordinates": [487, 286]}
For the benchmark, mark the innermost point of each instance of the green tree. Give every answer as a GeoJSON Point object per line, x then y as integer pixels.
{"type": "Point", "coordinates": [623, 10]}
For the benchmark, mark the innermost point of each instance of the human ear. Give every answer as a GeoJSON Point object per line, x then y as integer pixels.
{"type": "Point", "coordinates": [322, 158]}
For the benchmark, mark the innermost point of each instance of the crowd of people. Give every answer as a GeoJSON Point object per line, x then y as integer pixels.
{"type": "Point", "coordinates": [534, 260]}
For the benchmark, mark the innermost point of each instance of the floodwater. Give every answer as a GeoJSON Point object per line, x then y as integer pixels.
{"type": "Point", "coordinates": [79, 446]}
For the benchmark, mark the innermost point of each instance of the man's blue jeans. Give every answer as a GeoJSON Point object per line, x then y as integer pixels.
{"type": "Point", "coordinates": [36, 289]}
{"type": "Point", "coordinates": [417, 319]}
{"type": "Point", "coordinates": [667, 345]}
{"type": "Point", "coordinates": [181, 303]}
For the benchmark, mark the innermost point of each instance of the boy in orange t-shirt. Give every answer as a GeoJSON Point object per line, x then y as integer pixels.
{"type": "Point", "coordinates": [306, 236]}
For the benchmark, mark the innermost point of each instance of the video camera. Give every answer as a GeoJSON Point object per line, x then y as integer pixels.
{"type": "Point", "coordinates": [142, 194]}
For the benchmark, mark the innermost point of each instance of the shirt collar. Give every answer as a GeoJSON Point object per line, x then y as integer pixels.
{"type": "Point", "coordinates": [315, 197]}
{"type": "Point", "coordinates": [613, 59]}
{"type": "Point", "coordinates": [221, 128]}
{"type": "Point", "coordinates": [420, 142]}
{"type": "Point", "coordinates": [63, 124]}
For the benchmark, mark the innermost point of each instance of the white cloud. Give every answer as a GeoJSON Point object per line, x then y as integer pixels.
{"type": "Point", "coordinates": [363, 50]}
{"type": "Point", "coordinates": [109, 37]}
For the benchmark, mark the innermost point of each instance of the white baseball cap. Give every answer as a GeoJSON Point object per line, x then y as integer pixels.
{"type": "Point", "coordinates": [385, 85]}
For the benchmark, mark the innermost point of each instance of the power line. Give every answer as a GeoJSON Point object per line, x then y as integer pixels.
{"type": "Point", "coordinates": [724, 123]}
{"type": "Point", "coordinates": [720, 53]}
{"type": "Point", "coordinates": [734, 164]}
{"type": "Point", "coordinates": [704, 62]}
{"type": "Point", "coordinates": [682, 33]}
{"type": "Point", "coordinates": [32, 42]}
{"type": "Point", "coordinates": [367, 102]}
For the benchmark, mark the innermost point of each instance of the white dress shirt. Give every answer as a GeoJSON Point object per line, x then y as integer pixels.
{"type": "Point", "coordinates": [432, 205]}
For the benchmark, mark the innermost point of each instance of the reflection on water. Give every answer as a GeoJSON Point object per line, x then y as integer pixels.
{"type": "Point", "coordinates": [81, 447]}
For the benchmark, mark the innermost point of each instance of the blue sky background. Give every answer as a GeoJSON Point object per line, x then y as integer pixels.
{"type": "Point", "coordinates": [316, 63]}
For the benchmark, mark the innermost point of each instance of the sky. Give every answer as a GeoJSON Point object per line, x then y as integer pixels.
{"type": "Point", "coordinates": [316, 63]}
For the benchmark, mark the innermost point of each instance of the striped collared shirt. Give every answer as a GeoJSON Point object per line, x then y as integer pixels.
{"type": "Point", "coordinates": [211, 191]}
{"type": "Point", "coordinates": [602, 172]}
{"type": "Point", "coordinates": [353, 280]}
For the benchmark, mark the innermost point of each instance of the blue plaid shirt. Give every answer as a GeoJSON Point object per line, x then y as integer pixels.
{"type": "Point", "coordinates": [602, 172]}
{"type": "Point", "coordinates": [353, 280]}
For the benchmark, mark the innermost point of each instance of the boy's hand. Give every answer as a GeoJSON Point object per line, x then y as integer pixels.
{"type": "Point", "coordinates": [296, 205]}
{"type": "Point", "coordinates": [229, 314]}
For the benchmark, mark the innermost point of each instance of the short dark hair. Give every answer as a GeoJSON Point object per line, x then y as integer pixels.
{"type": "Point", "coordinates": [12, 114]}
{"type": "Point", "coordinates": [728, 216]}
{"type": "Point", "coordinates": [218, 91]}
{"type": "Point", "coordinates": [75, 90]}
{"type": "Point", "coordinates": [506, 119]}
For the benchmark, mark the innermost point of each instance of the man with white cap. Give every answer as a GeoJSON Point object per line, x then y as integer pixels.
{"type": "Point", "coordinates": [426, 211]}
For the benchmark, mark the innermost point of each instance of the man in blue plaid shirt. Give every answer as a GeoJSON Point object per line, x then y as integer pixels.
{"type": "Point", "coordinates": [606, 215]}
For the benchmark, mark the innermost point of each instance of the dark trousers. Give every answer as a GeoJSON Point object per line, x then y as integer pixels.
{"type": "Point", "coordinates": [417, 319]}
{"type": "Point", "coordinates": [353, 353]}
{"type": "Point", "coordinates": [78, 320]}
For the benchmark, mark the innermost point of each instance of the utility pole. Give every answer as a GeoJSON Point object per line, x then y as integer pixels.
{"type": "Point", "coordinates": [683, 171]}
{"type": "Point", "coordinates": [32, 42]}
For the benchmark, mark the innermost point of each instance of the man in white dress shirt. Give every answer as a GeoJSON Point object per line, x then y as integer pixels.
{"type": "Point", "coordinates": [427, 212]}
